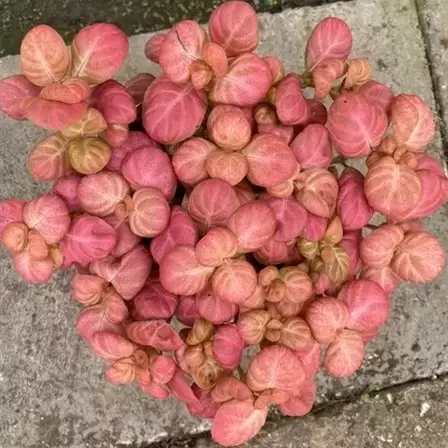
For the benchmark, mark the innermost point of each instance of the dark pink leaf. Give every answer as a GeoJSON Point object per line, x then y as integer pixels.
{"type": "Point", "coordinates": [14, 91]}
{"type": "Point", "coordinates": [172, 112]}
{"type": "Point", "coordinates": [126, 239]}
{"type": "Point", "coordinates": [187, 311]}
{"type": "Point", "coordinates": [152, 47]}
{"type": "Point", "coordinates": [213, 308]}
{"type": "Point", "coordinates": [70, 91]}
{"type": "Point", "coordinates": [353, 209]}
{"type": "Point", "coordinates": [115, 103]}
{"type": "Point", "coordinates": [66, 188]}
{"type": "Point", "coordinates": [356, 124]}
{"type": "Point", "coordinates": [375, 91]}
{"type": "Point", "coordinates": [246, 83]}
{"type": "Point", "coordinates": [205, 407]}
{"type": "Point", "coordinates": [312, 147]}
{"type": "Point", "coordinates": [137, 86]}
{"type": "Point", "coordinates": [182, 390]}
{"type": "Point", "coordinates": [330, 39]}
{"type": "Point", "coordinates": [154, 302]}
{"type": "Point", "coordinates": [180, 230]}
{"type": "Point", "coordinates": [150, 167]}
{"type": "Point", "coordinates": [228, 346]}
{"type": "Point", "coordinates": [315, 228]}
{"type": "Point", "coordinates": [291, 105]}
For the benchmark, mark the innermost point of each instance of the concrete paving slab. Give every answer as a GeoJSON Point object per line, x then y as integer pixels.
{"type": "Point", "coordinates": [53, 393]}
{"type": "Point", "coordinates": [409, 416]}
{"type": "Point", "coordinates": [433, 18]}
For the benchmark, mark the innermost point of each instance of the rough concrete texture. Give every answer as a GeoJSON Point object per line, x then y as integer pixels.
{"type": "Point", "coordinates": [433, 18]}
{"type": "Point", "coordinates": [17, 16]}
{"type": "Point", "coordinates": [53, 393]}
{"type": "Point", "coordinates": [409, 416]}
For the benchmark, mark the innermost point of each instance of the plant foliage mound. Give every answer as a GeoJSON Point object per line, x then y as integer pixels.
{"type": "Point", "coordinates": [216, 208]}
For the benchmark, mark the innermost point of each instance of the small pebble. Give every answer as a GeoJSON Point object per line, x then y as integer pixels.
{"type": "Point", "coordinates": [390, 398]}
{"type": "Point", "coordinates": [424, 408]}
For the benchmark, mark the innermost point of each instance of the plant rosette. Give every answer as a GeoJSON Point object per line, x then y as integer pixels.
{"type": "Point", "coordinates": [215, 208]}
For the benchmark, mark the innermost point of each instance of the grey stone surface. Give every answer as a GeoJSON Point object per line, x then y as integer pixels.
{"type": "Point", "coordinates": [409, 416]}
{"type": "Point", "coordinates": [433, 18]}
{"type": "Point", "coordinates": [51, 388]}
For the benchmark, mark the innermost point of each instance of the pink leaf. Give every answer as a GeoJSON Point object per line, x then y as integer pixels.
{"type": "Point", "coordinates": [299, 287]}
{"type": "Point", "coordinates": [234, 281]}
{"type": "Point", "coordinates": [150, 214]}
{"type": "Point", "coordinates": [291, 218]}
{"type": "Point", "coordinates": [315, 228]}
{"type": "Point", "coordinates": [14, 91]}
{"type": "Point", "coordinates": [212, 202]}
{"type": "Point", "coordinates": [325, 75]}
{"type": "Point", "coordinates": [229, 167]}
{"type": "Point", "coordinates": [66, 188]}
{"type": "Point", "coordinates": [330, 39]}
{"type": "Point", "coordinates": [312, 147]}
{"type": "Point", "coordinates": [162, 369]}
{"type": "Point", "coordinates": [116, 134]}
{"type": "Point", "coordinates": [375, 91]}
{"type": "Point", "coordinates": [44, 58]}
{"type": "Point", "coordinates": [276, 67]}
{"type": "Point", "coordinates": [345, 354]}
{"type": "Point", "coordinates": [353, 209]}
{"type": "Point", "coordinates": [127, 274]}
{"type": "Point", "coordinates": [310, 358]}
{"type": "Point", "coordinates": [154, 333]}
{"type": "Point", "coordinates": [254, 224]}
{"type": "Point", "coordinates": [49, 159]}
{"type": "Point", "coordinates": [134, 141]}
{"type": "Point", "coordinates": [49, 216]}
{"type": "Point", "coordinates": [377, 249]}
{"type": "Point", "coordinates": [413, 123]}
{"type": "Point", "coordinates": [88, 239]}
{"type": "Point", "coordinates": [70, 91]}
{"type": "Point", "coordinates": [213, 308]}
{"type": "Point", "coordinates": [326, 316]}
{"type": "Point", "coordinates": [246, 83]}
{"type": "Point", "coordinates": [228, 346]}
{"type": "Point", "coordinates": [181, 273]}
{"type": "Point", "coordinates": [419, 258]}
{"type": "Point", "coordinates": [92, 320]}
{"type": "Point", "coordinates": [98, 52]}
{"type": "Point", "coordinates": [317, 191]}
{"type": "Point", "coordinates": [32, 271]}
{"type": "Point", "coordinates": [115, 103]}
{"type": "Point", "coordinates": [228, 127]}
{"type": "Point", "coordinates": [384, 277]}
{"type": "Point", "coordinates": [367, 303]}
{"type": "Point", "coordinates": [137, 86]}
{"type": "Point", "coordinates": [182, 390]}
{"type": "Point", "coordinates": [187, 311]}
{"type": "Point", "coordinates": [180, 230]}
{"type": "Point", "coordinates": [215, 57]}
{"type": "Point", "coordinates": [286, 133]}
{"type": "Point", "coordinates": [206, 406]}
{"type": "Point", "coordinates": [236, 422]}
{"type": "Point", "coordinates": [302, 402]}
{"type": "Point", "coordinates": [291, 105]}
{"type": "Point", "coordinates": [351, 242]}
{"type": "Point", "coordinates": [231, 388]}
{"type": "Point", "coordinates": [99, 194]}
{"type": "Point", "coordinates": [152, 47]}
{"type": "Point", "coordinates": [10, 211]}
{"type": "Point", "coordinates": [52, 115]}
{"type": "Point", "coordinates": [87, 289]}
{"type": "Point", "coordinates": [111, 346]}
{"type": "Point", "coordinates": [189, 160]}
{"type": "Point", "coordinates": [218, 244]}
{"type": "Point", "coordinates": [392, 189]}
{"type": "Point", "coordinates": [154, 302]}
{"type": "Point", "coordinates": [180, 48]}
{"type": "Point", "coordinates": [15, 236]}
{"type": "Point", "coordinates": [234, 26]}
{"type": "Point", "coordinates": [252, 325]}
{"type": "Point", "coordinates": [126, 239]}
{"type": "Point", "coordinates": [150, 167]}
{"type": "Point", "coordinates": [356, 124]}
{"type": "Point", "coordinates": [271, 161]}
{"type": "Point", "coordinates": [172, 112]}
{"type": "Point", "coordinates": [275, 367]}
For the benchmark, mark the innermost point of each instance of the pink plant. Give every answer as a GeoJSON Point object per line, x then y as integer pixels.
{"type": "Point", "coordinates": [217, 245]}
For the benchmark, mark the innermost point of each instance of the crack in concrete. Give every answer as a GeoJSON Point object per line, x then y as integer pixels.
{"type": "Point", "coordinates": [190, 440]}
{"type": "Point", "coordinates": [435, 79]}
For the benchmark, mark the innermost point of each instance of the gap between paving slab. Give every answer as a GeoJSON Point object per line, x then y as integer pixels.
{"type": "Point", "coordinates": [52, 388]}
